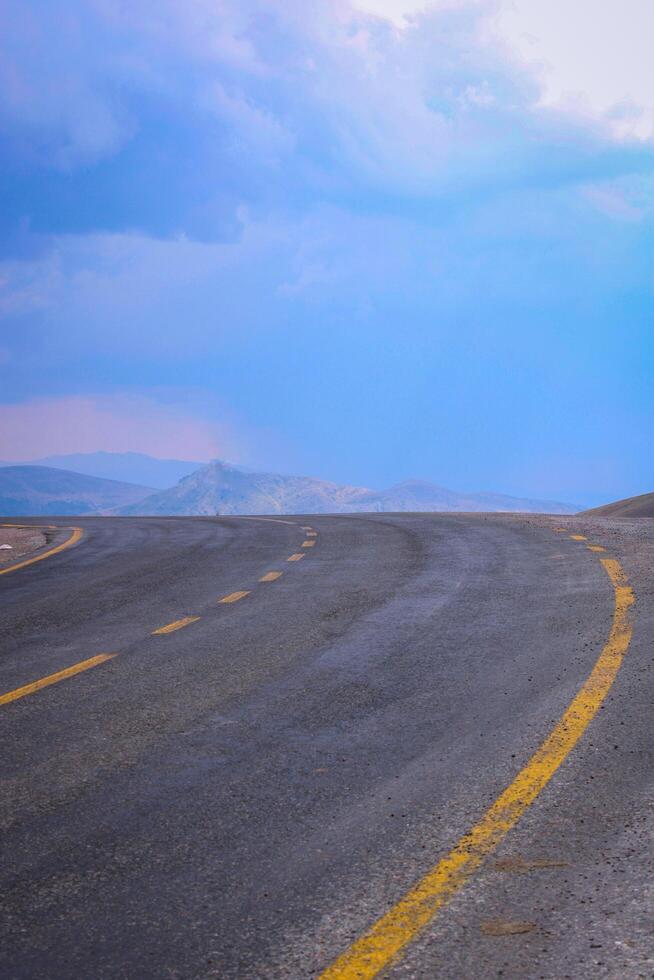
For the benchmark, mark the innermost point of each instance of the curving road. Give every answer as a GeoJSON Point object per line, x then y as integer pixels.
{"type": "Point", "coordinates": [242, 788]}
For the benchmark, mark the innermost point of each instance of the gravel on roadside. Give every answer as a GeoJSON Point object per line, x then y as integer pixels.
{"type": "Point", "coordinates": [21, 540]}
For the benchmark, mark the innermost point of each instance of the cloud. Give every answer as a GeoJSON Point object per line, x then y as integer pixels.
{"type": "Point", "coordinates": [592, 58]}
{"type": "Point", "coordinates": [174, 120]}
{"type": "Point", "coordinates": [625, 199]}
{"type": "Point", "coordinates": [115, 423]}
{"type": "Point", "coordinates": [400, 236]}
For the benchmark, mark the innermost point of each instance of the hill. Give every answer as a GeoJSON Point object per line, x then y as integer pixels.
{"type": "Point", "coordinates": [34, 490]}
{"type": "Point", "coordinates": [222, 489]}
{"type": "Point", "coordinates": [420, 495]}
{"type": "Point", "coordinates": [135, 468]}
{"type": "Point", "coordinates": [641, 506]}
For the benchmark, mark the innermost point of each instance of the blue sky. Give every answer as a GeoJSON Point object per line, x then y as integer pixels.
{"type": "Point", "coordinates": [364, 241]}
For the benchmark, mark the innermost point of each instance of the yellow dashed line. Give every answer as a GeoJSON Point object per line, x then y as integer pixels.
{"type": "Point", "coordinates": [386, 939]}
{"type": "Point", "coordinates": [178, 624]}
{"type": "Point", "coordinates": [234, 596]}
{"type": "Point", "coordinates": [61, 675]}
{"type": "Point", "coordinates": [595, 547]}
{"type": "Point", "coordinates": [579, 537]}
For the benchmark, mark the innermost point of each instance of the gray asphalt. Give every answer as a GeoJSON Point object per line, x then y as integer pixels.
{"type": "Point", "coordinates": [243, 797]}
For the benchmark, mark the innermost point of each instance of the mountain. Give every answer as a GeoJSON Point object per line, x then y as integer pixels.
{"type": "Point", "coordinates": [31, 490]}
{"type": "Point", "coordinates": [125, 467]}
{"type": "Point", "coordinates": [219, 488]}
{"type": "Point", "coordinates": [222, 489]}
{"type": "Point", "coordinates": [641, 506]}
{"type": "Point", "coordinates": [420, 495]}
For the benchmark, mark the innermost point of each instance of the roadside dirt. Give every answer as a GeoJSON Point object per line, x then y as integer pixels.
{"type": "Point", "coordinates": [21, 540]}
{"type": "Point", "coordinates": [630, 539]}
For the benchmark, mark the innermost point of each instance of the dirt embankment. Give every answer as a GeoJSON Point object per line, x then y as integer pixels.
{"type": "Point", "coordinates": [16, 542]}
{"type": "Point", "coordinates": [642, 506]}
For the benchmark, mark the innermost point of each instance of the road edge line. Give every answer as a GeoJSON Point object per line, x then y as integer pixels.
{"type": "Point", "coordinates": [76, 535]}
{"type": "Point", "coordinates": [384, 942]}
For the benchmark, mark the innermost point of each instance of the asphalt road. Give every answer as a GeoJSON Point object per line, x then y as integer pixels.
{"type": "Point", "coordinates": [244, 796]}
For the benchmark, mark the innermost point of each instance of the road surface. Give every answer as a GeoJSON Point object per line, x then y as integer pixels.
{"type": "Point", "coordinates": [245, 771]}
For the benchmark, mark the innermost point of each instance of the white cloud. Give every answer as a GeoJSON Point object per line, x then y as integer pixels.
{"type": "Point", "coordinates": [624, 199]}
{"type": "Point", "coordinates": [593, 56]}
{"type": "Point", "coordinates": [400, 12]}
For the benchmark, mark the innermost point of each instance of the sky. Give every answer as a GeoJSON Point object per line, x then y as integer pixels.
{"type": "Point", "coordinates": [364, 241]}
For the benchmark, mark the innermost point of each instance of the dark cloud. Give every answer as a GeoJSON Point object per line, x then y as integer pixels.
{"type": "Point", "coordinates": [170, 122]}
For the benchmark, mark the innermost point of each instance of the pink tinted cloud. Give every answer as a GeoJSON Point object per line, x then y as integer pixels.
{"type": "Point", "coordinates": [115, 423]}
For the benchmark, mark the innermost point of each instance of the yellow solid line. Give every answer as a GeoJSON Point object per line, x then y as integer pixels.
{"type": "Point", "coordinates": [234, 596]}
{"type": "Point", "coordinates": [579, 537]}
{"type": "Point", "coordinates": [389, 935]}
{"type": "Point", "coordinates": [76, 534]}
{"type": "Point", "coordinates": [49, 527]}
{"type": "Point", "coordinates": [271, 576]}
{"type": "Point", "coordinates": [61, 675]}
{"type": "Point", "coordinates": [295, 557]}
{"type": "Point", "coordinates": [178, 624]}
{"type": "Point", "coordinates": [308, 544]}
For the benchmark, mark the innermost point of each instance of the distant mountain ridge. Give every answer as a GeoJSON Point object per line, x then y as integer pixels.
{"type": "Point", "coordinates": [35, 490]}
{"type": "Point", "coordinates": [135, 468]}
{"type": "Point", "coordinates": [222, 488]}
{"type": "Point", "coordinates": [219, 488]}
